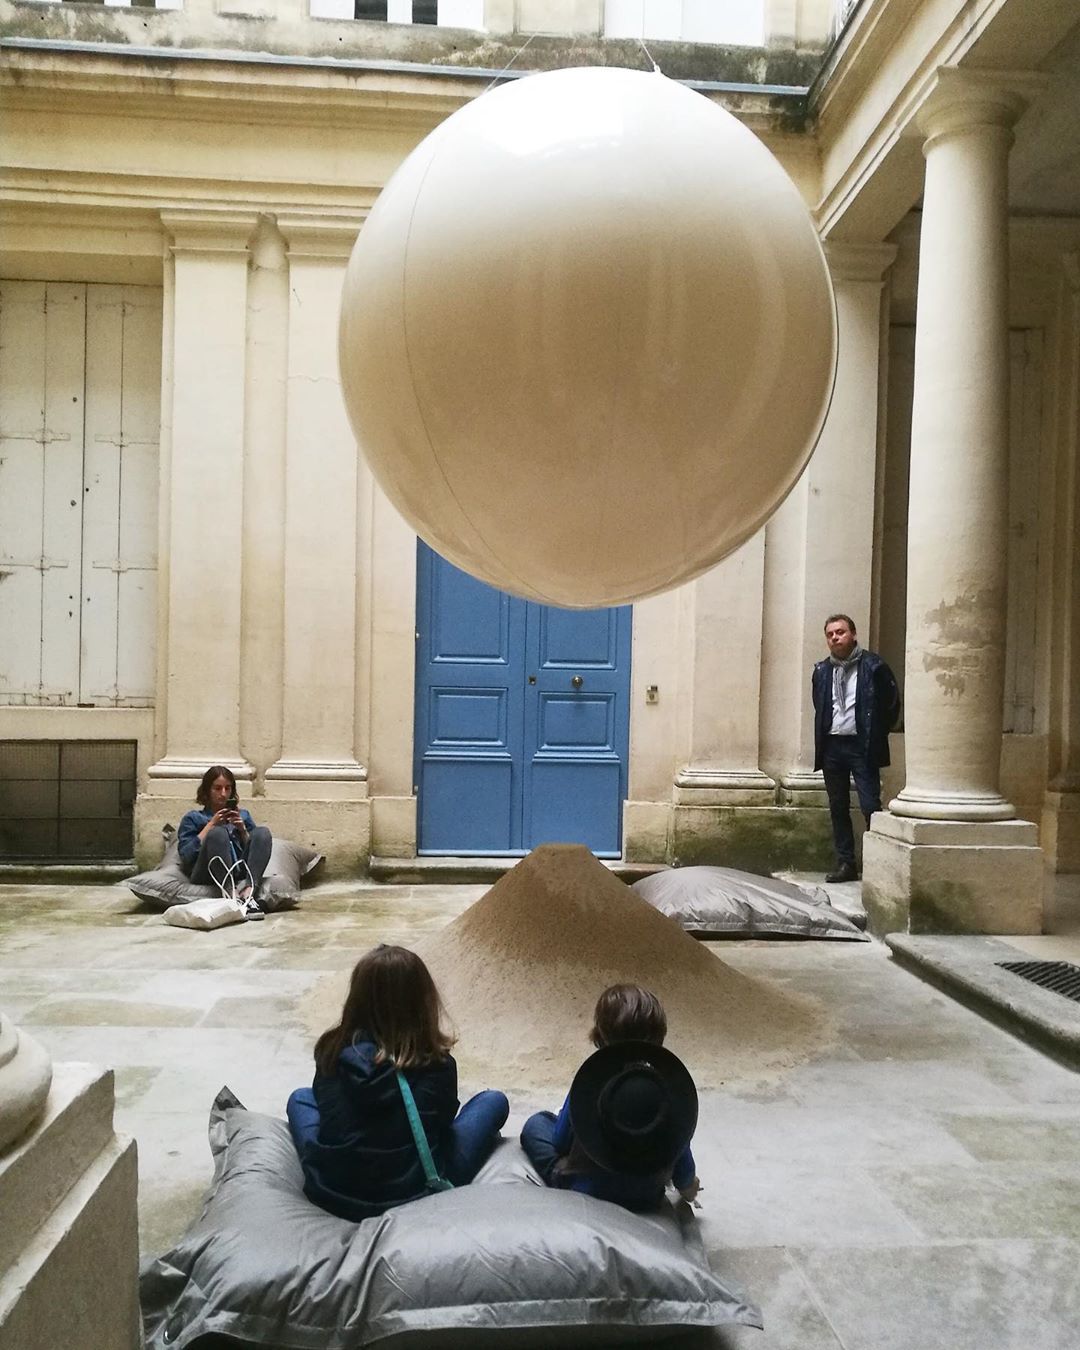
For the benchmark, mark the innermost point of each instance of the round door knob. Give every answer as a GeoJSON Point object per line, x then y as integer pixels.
{"type": "Point", "coordinates": [577, 681]}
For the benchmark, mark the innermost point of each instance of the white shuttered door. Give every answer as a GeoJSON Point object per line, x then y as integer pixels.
{"type": "Point", "coordinates": [80, 372]}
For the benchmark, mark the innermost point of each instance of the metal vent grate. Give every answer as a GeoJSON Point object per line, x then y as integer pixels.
{"type": "Point", "coordinates": [1060, 977]}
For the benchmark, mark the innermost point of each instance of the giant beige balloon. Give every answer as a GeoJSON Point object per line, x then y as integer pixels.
{"type": "Point", "coordinates": [588, 336]}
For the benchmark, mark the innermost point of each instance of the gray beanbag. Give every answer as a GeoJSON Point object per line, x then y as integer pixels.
{"type": "Point", "coordinates": [168, 883]}
{"type": "Point", "coordinates": [723, 902]}
{"type": "Point", "coordinates": [503, 1262]}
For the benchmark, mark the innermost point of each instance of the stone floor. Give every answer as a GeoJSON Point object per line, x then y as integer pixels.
{"type": "Point", "coordinates": [915, 1188]}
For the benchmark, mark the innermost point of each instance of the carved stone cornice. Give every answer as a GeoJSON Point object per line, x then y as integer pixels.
{"type": "Point", "coordinates": [859, 262]}
{"type": "Point", "coordinates": [203, 231]}
{"type": "Point", "coordinates": [321, 238]}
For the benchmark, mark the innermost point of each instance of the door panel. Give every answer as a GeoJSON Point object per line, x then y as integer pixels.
{"type": "Point", "coordinates": [569, 806]}
{"type": "Point", "coordinates": [522, 719]}
{"type": "Point", "coordinates": [469, 677]}
{"type": "Point", "coordinates": [577, 727]}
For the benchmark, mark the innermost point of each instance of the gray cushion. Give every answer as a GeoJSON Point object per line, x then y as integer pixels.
{"type": "Point", "coordinates": [265, 1267]}
{"type": "Point", "coordinates": [168, 884]}
{"type": "Point", "coordinates": [723, 902]}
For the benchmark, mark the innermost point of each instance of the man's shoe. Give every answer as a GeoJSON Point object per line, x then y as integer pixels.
{"type": "Point", "coordinates": [845, 872]}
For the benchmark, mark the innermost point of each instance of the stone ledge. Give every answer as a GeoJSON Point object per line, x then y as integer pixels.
{"type": "Point", "coordinates": [476, 871]}
{"type": "Point", "coordinates": [966, 968]}
{"type": "Point", "coordinates": [66, 874]}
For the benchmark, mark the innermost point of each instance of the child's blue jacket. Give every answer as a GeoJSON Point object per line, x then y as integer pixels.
{"type": "Point", "coordinates": [364, 1159]}
{"type": "Point", "coordinates": [633, 1192]}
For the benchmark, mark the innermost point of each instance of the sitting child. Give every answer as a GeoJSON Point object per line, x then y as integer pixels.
{"type": "Point", "coordinates": [359, 1151]}
{"type": "Point", "coordinates": [625, 1128]}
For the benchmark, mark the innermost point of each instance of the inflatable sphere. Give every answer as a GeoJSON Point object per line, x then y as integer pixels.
{"type": "Point", "coordinates": [588, 336]}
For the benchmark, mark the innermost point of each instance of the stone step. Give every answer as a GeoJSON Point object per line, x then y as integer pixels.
{"type": "Point", "coordinates": [476, 871]}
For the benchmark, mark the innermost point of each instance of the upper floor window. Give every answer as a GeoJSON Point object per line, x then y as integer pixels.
{"type": "Point", "coordinates": [137, 4]}
{"type": "Point", "coordinates": [740, 23]}
{"type": "Point", "coordinates": [445, 13]}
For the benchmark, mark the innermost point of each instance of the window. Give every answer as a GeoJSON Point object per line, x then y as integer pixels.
{"type": "Point", "coordinates": [66, 800]}
{"type": "Point", "coordinates": [739, 23]}
{"type": "Point", "coordinates": [445, 13]}
{"type": "Point", "coordinates": [80, 380]}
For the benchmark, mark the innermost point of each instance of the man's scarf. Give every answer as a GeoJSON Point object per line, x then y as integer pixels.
{"type": "Point", "coordinates": [841, 671]}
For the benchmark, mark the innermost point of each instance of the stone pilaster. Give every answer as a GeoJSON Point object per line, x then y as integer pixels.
{"type": "Point", "coordinates": [720, 793]}
{"type": "Point", "coordinates": [263, 517]}
{"type": "Point", "coordinates": [318, 759]}
{"type": "Point", "coordinates": [819, 548]}
{"type": "Point", "coordinates": [203, 487]}
{"type": "Point", "coordinates": [1060, 828]}
{"type": "Point", "coordinates": [957, 538]}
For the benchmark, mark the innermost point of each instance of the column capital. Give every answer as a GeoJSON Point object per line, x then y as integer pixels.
{"type": "Point", "coordinates": [202, 231]}
{"type": "Point", "coordinates": [859, 262]}
{"type": "Point", "coordinates": [960, 100]}
{"type": "Point", "coordinates": [319, 237]}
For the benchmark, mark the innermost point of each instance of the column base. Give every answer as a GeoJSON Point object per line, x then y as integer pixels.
{"type": "Point", "coordinates": [931, 876]}
{"type": "Point", "coordinates": [1060, 830]}
{"type": "Point", "coordinates": [803, 788]}
{"type": "Point", "coordinates": [184, 770]}
{"type": "Point", "coordinates": [962, 806]}
{"type": "Point", "coordinates": [711, 787]}
{"type": "Point", "coordinates": [69, 1246]}
{"type": "Point", "coordinates": [296, 780]}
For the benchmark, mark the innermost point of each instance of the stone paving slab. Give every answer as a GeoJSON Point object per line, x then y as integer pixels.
{"type": "Point", "coordinates": [911, 1187]}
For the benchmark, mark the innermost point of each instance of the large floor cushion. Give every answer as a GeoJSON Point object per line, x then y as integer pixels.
{"type": "Point", "coordinates": [263, 1266]}
{"type": "Point", "coordinates": [724, 902]}
{"type": "Point", "coordinates": [168, 883]}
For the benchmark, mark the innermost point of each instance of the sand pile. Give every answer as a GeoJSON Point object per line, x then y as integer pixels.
{"type": "Point", "coordinates": [521, 969]}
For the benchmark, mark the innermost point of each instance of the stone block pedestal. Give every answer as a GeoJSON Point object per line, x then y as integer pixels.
{"type": "Point", "coordinates": [943, 876]}
{"type": "Point", "coordinates": [69, 1235]}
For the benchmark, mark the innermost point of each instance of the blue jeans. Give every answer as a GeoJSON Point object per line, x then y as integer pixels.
{"type": "Point", "coordinates": [537, 1139]}
{"type": "Point", "coordinates": [465, 1147]}
{"type": "Point", "coordinates": [844, 759]}
{"type": "Point", "coordinates": [220, 843]}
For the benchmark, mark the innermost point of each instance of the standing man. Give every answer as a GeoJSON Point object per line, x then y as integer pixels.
{"type": "Point", "coordinates": [856, 705]}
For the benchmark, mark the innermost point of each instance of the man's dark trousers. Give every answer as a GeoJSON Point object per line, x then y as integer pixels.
{"type": "Point", "coordinates": [843, 761]}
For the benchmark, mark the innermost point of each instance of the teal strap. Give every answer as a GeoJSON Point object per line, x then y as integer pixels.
{"type": "Point", "coordinates": [434, 1181]}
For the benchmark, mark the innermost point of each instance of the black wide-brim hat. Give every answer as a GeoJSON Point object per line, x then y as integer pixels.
{"type": "Point", "coordinates": [633, 1108]}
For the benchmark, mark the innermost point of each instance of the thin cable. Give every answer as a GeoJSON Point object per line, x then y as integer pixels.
{"type": "Point", "coordinates": [656, 68]}
{"type": "Point", "coordinates": [509, 63]}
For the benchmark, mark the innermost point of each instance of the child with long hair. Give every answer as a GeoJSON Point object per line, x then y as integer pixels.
{"type": "Point", "coordinates": [634, 1107]}
{"type": "Point", "coordinates": [351, 1127]}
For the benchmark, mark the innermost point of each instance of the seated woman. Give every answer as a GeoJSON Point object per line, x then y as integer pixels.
{"type": "Point", "coordinates": [221, 845]}
{"type": "Point", "coordinates": [380, 1124]}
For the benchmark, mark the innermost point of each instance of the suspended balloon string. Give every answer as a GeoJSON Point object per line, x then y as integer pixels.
{"type": "Point", "coordinates": [509, 63]}
{"type": "Point", "coordinates": [656, 68]}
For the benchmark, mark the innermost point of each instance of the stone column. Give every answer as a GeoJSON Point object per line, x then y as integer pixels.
{"type": "Point", "coordinates": [1061, 808]}
{"type": "Point", "coordinates": [203, 493]}
{"type": "Point", "coordinates": [318, 758]}
{"type": "Point", "coordinates": [977, 875]}
{"type": "Point", "coordinates": [720, 791]}
{"type": "Point", "coordinates": [819, 550]}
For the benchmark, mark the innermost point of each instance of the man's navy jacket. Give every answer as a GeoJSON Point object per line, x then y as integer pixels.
{"type": "Point", "coordinates": [877, 707]}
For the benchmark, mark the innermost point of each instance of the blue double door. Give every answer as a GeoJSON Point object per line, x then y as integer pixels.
{"type": "Point", "coordinates": [522, 719]}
